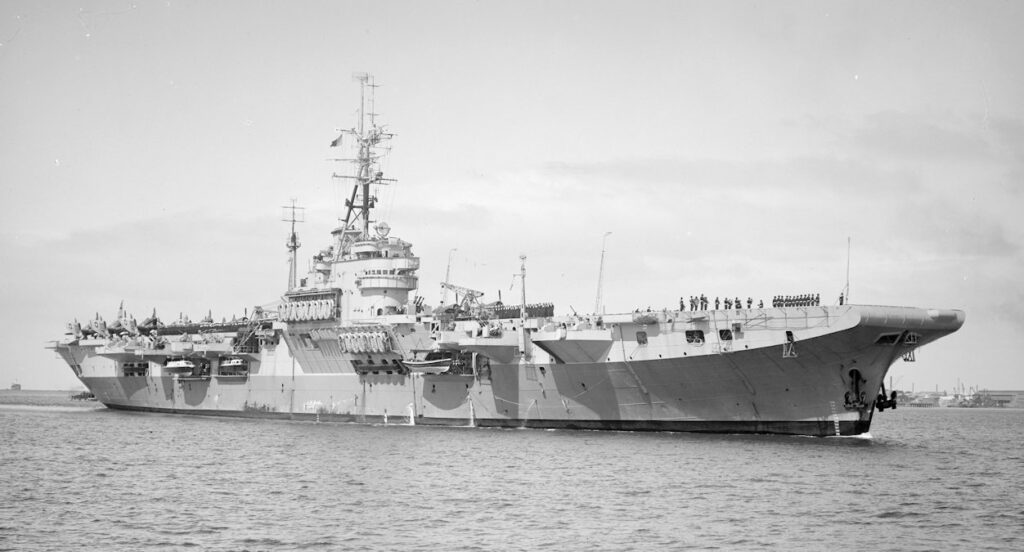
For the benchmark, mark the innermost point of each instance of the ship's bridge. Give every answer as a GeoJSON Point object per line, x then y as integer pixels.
{"type": "Point", "coordinates": [385, 279]}
{"type": "Point", "coordinates": [376, 276]}
{"type": "Point", "coordinates": [386, 263]}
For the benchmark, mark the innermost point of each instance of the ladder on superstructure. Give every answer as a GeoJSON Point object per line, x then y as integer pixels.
{"type": "Point", "coordinates": [251, 328]}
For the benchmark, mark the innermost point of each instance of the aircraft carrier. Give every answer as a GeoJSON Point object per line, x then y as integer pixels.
{"type": "Point", "coordinates": [352, 342]}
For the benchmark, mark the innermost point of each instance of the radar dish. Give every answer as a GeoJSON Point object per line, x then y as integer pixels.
{"type": "Point", "coordinates": [382, 230]}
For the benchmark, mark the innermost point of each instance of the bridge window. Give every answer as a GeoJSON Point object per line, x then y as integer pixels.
{"type": "Point", "coordinates": [695, 336]}
{"type": "Point", "coordinates": [641, 339]}
{"type": "Point", "coordinates": [725, 335]}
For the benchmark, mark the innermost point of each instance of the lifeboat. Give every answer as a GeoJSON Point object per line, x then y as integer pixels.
{"type": "Point", "coordinates": [179, 365]}
{"type": "Point", "coordinates": [435, 362]}
{"type": "Point", "coordinates": [233, 366]}
{"type": "Point", "coordinates": [435, 366]}
{"type": "Point", "coordinates": [233, 363]}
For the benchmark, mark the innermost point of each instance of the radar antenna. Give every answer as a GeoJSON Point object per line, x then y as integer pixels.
{"type": "Point", "coordinates": [369, 138]}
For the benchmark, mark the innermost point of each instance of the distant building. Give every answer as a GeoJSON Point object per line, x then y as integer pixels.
{"type": "Point", "coordinates": [1008, 399]}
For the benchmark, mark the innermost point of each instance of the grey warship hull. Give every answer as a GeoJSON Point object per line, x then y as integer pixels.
{"type": "Point", "coordinates": [353, 341]}
{"type": "Point", "coordinates": [822, 379]}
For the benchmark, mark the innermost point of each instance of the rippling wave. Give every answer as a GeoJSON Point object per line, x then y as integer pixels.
{"type": "Point", "coordinates": [51, 408]}
{"type": "Point", "coordinates": [92, 479]}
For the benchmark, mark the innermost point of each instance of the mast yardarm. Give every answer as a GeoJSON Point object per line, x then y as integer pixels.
{"type": "Point", "coordinates": [369, 138]}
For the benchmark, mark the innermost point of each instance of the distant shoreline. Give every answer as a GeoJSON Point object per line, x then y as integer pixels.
{"type": "Point", "coordinates": [43, 397]}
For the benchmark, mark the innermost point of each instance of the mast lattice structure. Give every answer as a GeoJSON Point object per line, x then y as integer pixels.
{"type": "Point", "coordinates": [369, 139]}
{"type": "Point", "coordinates": [293, 214]}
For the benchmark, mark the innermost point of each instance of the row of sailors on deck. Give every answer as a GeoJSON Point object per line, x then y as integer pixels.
{"type": "Point", "coordinates": [701, 303]}
{"type": "Point", "coordinates": [805, 300]}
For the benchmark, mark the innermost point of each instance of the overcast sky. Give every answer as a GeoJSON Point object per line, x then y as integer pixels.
{"type": "Point", "coordinates": [730, 148]}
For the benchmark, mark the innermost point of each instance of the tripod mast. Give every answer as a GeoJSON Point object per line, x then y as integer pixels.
{"type": "Point", "coordinates": [368, 137]}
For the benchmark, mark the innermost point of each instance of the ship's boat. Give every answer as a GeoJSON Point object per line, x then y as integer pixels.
{"type": "Point", "coordinates": [431, 366]}
{"type": "Point", "coordinates": [233, 367]}
{"type": "Point", "coordinates": [180, 365]}
{"type": "Point", "coordinates": [354, 341]}
{"type": "Point", "coordinates": [452, 361]}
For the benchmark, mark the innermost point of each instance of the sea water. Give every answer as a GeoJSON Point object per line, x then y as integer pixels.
{"type": "Point", "coordinates": [78, 476]}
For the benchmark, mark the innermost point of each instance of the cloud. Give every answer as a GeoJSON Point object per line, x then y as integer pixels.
{"type": "Point", "coordinates": [1008, 133]}
{"type": "Point", "coordinates": [949, 230]}
{"type": "Point", "coordinates": [939, 138]}
{"type": "Point", "coordinates": [187, 262]}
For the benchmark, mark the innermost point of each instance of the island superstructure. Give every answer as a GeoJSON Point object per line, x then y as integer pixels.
{"type": "Point", "coordinates": [351, 341]}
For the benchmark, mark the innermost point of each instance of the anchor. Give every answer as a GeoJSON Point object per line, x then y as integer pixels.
{"type": "Point", "coordinates": [855, 399]}
{"type": "Point", "coordinates": [881, 402]}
